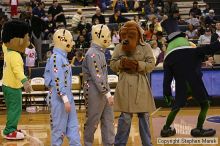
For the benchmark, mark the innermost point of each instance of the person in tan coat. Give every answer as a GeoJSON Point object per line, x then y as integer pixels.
{"type": "Point", "coordinates": [133, 59]}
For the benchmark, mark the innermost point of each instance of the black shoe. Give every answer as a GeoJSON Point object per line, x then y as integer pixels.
{"type": "Point", "coordinates": [167, 132]}
{"type": "Point", "coordinates": [196, 132]}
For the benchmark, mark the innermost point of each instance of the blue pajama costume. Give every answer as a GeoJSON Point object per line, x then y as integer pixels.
{"type": "Point", "coordinates": [58, 78]}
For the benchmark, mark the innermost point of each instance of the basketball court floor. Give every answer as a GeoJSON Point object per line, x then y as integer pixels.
{"type": "Point", "coordinates": [37, 126]}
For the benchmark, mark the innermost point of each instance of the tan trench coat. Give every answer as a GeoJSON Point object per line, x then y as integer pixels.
{"type": "Point", "coordinates": [133, 93]}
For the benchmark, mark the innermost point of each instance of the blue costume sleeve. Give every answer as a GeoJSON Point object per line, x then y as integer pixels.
{"type": "Point", "coordinates": [58, 74]}
{"type": "Point", "coordinates": [168, 77]}
{"type": "Point", "coordinates": [47, 76]}
{"type": "Point", "coordinates": [97, 75]}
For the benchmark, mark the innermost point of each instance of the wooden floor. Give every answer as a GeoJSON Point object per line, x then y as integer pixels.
{"type": "Point", "coordinates": [37, 127]}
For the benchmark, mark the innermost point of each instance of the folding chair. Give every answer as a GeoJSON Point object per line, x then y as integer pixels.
{"type": "Point", "coordinates": [76, 87]}
{"type": "Point", "coordinates": [217, 59]}
{"type": "Point", "coordinates": [37, 84]}
{"type": "Point", "coordinates": [112, 80]}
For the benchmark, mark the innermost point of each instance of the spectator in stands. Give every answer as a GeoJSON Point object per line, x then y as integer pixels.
{"type": "Point", "coordinates": [115, 37]}
{"type": "Point", "coordinates": [216, 34]}
{"type": "Point", "coordinates": [98, 16]}
{"type": "Point", "coordinates": [81, 44]}
{"type": "Point", "coordinates": [104, 4]}
{"type": "Point", "coordinates": [160, 57]}
{"type": "Point", "coordinates": [48, 54]}
{"type": "Point", "coordinates": [149, 32]}
{"type": "Point", "coordinates": [30, 59]}
{"type": "Point", "coordinates": [206, 38]}
{"type": "Point", "coordinates": [191, 33]}
{"type": "Point", "coordinates": [176, 15]}
{"type": "Point", "coordinates": [193, 20]}
{"type": "Point", "coordinates": [170, 7]}
{"type": "Point", "coordinates": [160, 39]}
{"type": "Point", "coordinates": [96, 21]}
{"type": "Point", "coordinates": [156, 50]}
{"type": "Point", "coordinates": [38, 11]}
{"type": "Point", "coordinates": [83, 24]}
{"type": "Point", "coordinates": [137, 19]}
{"type": "Point", "coordinates": [150, 9]}
{"type": "Point", "coordinates": [14, 7]}
{"type": "Point", "coordinates": [136, 6]}
{"type": "Point", "coordinates": [195, 10]}
{"type": "Point", "coordinates": [211, 18]}
{"type": "Point", "coordinates": [121, 5]}
{"type": "Point", "coordinates": [205, 12]}
{"type": "Point", "coordinates": [117, 17]}
{"type": "Point", "coordinates": [209, 61]}
{"type": "Point", "coordinates": [158, 3]}
{"type": "Point", "coordinates": [108, 56]}
{"type": "Point", "coordinates": [33, 3]}
{"type": "Point", "coordinates": [72, 53]}
{"type": "Point", "coordinates": [50, 27]}
{"type": "Point", "coordinates": [201, 28]}
{"type": "Point", "coordinates": [78, 59]}
{"type": "Point", "coordinates": [37, 27]}
{"type": "Point", "coordinates": [57, 12]}
{"type": "Point", "coordinates": [153, 37]}
{"type": "Point", "coordinates": [156, 23]}
{"type": "Point", "coordinates": [3, 20]}
{"type": "Point", "coordinates": [26, 12]}
{"type": "Point", "coordinates": [87, 35]}
{"type": "Point", "coordinates": [76, 18]}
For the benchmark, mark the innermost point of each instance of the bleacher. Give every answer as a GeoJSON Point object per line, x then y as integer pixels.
{"type": "Point", "coordinates": [70, 9]}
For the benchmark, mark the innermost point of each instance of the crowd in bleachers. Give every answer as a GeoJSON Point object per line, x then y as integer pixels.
{"type": "Point", "coordinates": [202, 27]}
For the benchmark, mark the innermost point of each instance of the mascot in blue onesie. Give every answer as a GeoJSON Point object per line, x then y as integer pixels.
{"type": "Point", "coordinates": [58, 78]}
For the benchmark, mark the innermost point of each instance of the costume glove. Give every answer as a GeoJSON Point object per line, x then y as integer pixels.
{"type": "Point", "coordinates": [168, 100]}
{"type": "Point", "coordinates": [27, 87]}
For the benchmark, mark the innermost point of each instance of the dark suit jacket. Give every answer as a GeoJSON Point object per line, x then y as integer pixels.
{"type": "Point", "coordinates": [214, 37]}
{"type": "Point", "coordinates": [121, 19]}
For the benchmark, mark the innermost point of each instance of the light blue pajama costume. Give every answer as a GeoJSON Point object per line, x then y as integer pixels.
{"type": "Point", "coordinates": [58, 78]}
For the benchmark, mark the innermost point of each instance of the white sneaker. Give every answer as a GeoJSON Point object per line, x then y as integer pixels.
{"type": "Point", "coordinates": [14, 136]}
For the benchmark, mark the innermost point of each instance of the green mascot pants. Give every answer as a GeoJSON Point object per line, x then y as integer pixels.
{"type": "Point", "coordinates": [13, 100]}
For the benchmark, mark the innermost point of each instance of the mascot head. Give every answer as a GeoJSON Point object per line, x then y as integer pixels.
{"type": "Point", "coordinates": [63, 40]}
{"type": "Point", "coordinates": [131, 35]}
{"type": "Point", "coordinates": [101, 35]}
{"type": "Point", "coordinates": [15, 35]}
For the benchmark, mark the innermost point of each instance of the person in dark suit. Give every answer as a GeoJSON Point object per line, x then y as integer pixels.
{"type": "Point", "coordinates": [117, 17]}
{"type": "Point", "coordinates": [57, 12]}
{"type": "Point", "coordinates": [98, 16]}
{"type": "Point", "coordinates": [216, 34]}
{"type": "Point", "coordinates": [182, 62]}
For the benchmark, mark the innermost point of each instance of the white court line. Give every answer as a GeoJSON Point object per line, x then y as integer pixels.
{"type": "Point", "coordinates": [156, 111]}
